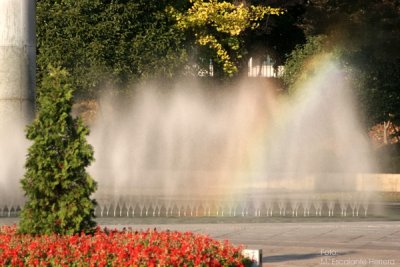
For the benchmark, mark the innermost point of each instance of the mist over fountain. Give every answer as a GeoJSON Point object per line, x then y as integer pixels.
{"type": "Point", "coordinates": [243, 151]}
{"type": "Point", "coordinates": [17, 94]}
{"type": "Point", "coordinates": [248, 150]}
{"type": "Point", "coordinates": [12, 157]}
{"type": "Point", "coordinates": [235, 151]}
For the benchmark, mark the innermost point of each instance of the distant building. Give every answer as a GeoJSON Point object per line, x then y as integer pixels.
{"type": "Point", "coordinates": [257, 67]}
{"type": "Point", "coordinates": [264, 68]}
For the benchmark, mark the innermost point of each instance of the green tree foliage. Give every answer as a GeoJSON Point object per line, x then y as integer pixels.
{"type": "Point", "coordinates": [368, 33]}
{"type": "Point", "coordinates": [367, 36]}
{"type": "Point", "coordinates": [219, 25]}
{"type": "Point", "coordinates": [277, 36]}
{"type": "Point", "coordinates": [121, 41]}
{"type": "Point", "coordinates": [300, 57]}
{"type": "Point", "coordinates": [56, 185]}
{"type": "Point", "coordinates": [100, 41]}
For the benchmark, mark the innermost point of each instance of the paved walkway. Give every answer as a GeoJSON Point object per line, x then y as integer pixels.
{"type": "Point", "coordinates": [374, 243]}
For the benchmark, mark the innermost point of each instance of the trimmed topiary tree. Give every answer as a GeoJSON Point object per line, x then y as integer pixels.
{"type": "Point", "coordinates": [56, 184]}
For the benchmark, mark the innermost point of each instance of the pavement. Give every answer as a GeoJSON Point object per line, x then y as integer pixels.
{"type": "Point", "coordinates": [363, 243]}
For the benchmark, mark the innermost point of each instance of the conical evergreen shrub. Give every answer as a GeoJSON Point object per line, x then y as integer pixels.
{"type": "Point", "coordinates": [56, 184]}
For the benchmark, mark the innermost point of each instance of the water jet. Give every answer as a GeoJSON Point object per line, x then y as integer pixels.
{"type": "Point", "coordinates": [246, 151]}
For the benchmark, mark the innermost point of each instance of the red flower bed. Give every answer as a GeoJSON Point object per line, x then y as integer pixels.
{"type": "Point", "coordinates": [116, 248]}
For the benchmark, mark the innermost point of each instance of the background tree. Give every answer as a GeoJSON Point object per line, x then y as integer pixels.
{"type": "Point", "coordinates": [121, 41]}
{"type": "Point", "coordinates": [56, 184]}
{"type": "Point", "coordinates": [368, 33]}
{"type": "Point", "coordinates": [298, 59]}
{"type": "Point", "coordinates": [277, 36]}
{"type": "Point", "coordinates": [219, 25]}
{"type": "Point", "coordinates": [101, 41]}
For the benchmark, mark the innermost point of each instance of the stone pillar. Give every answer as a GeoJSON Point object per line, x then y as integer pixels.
{"type": "Point", "coordinates": [17, 61]}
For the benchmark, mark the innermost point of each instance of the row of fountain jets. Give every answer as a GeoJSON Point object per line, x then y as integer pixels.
{"type": "Point", "coordinates": [233, 209]}
{"type": "Point", "coordinates": [352, 206]}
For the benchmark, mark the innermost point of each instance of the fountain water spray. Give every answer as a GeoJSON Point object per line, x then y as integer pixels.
{"type": "Point", "coordinates": [247, 150]}
{"type": "Point", "coordinates": [238, 148]}
{"type": "Point", "coordinates": [17, 83]}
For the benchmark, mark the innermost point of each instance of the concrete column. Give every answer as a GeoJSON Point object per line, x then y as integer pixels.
{"type": "Point", "coordinates": [17, 61]}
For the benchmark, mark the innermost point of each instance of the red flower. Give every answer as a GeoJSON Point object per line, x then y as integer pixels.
{"type": "Point", "coordinates": [114, 248]}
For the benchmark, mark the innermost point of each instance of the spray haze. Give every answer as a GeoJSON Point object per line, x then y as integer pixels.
{"type": "Point", "coordinates": [193, 143]}
{"type": "Point", "coordinates": [236, 147]}
{"type": "Point", "coordinates": [12, 156]}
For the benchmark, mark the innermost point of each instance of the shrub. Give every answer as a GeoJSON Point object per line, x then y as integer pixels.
{"type": "Point", "coordinates": [56, 184]}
